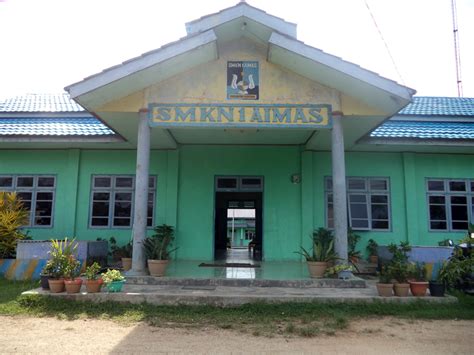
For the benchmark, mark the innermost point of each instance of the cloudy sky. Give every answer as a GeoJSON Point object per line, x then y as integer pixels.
{"type": "Point", "coordinates": [47, 44]}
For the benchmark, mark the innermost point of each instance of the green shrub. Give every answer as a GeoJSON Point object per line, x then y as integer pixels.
{"type": "Point", "coordinates": [12, 217]}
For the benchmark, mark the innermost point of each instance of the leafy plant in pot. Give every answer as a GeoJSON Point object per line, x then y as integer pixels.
{"type": "Point", "coordinates": [60, 254]}
{"type": "Point", "coordinates": [437, 283]}
{"type": "Point", "coordinates": [399, 268]}
{"type": "Point", "coordinates": [385, 285]}
{"type": "Point", "coordinates": [372, 251]}
{"type": "Point", "coordinates": [113, 280]}
{"type": "Point", "coordinates": [93, 281]}
{"type": "Point", "coordinates": [157, 249]}
{"type": "Point", "coordinates": [321, 254]}
{"type": "Point", "coordinates": [123, 253]}
{"type": "Point", "coordinates": [72, 270]}
{"type": "Point", "coordinates": [419, 283]}
{"type": "Point", "coordinates": [352, 240]}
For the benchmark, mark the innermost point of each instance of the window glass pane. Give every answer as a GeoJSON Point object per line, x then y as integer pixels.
{"type": "Point", "coordinates": [149, 222]}
{"type": "Point", "coordinates": [48, 196]}
{"type": "Point", "coordinates": [123, 182]}
{"type": "Point", "coordinates": [123, 196]}
{"type": "Point", "coordinates": [251, 182]}
{"type": "Point", "coordinates": [379, 212]}
{"type": "Point", "coordinates": [151, 182]}
{"type": "Point", "coordinates": [24, 181]}
{"type": "Point", "coordinates": [226, 183]}
{"type": "Point", "coordinates": [360, 223]}
{"type": "Point", "coordinates": [46, 181]}
{"type": "Point", "coordinates": [459, 200]}
{"type": "Point", "coordinates": [437, 212]}
{"type": "Point", "coordinates": [150, 198]}
{"type": "Point", "coordinates": [459, 225]}
{"type": "Point", "coordinates": [100, 222]}
{"type": "Point", "coordinates": [437, 199]}
{"type": "Point", "coordinates": [457, 186]}
{"type": "Point", "coordinates": [435, 185]}
{"type": "Point", "coordinates": [122, 209]}
{"type": "Point", "coordinates": [459, 213]}
{"type": "Point", "coordinates": [358, 210]}
{"type": "Point", "coordinates": [100, 209]}
{"type": "Point", "coordinates": [380, 224]}
{"type": "Point", "coordinates": [379, 199]}
{"type": "Point", "coordinates": [438, 225]}
{"type": "Point", "coordinates": [101, 196]}
{"type": "Point", "coordinates": [42, 221]}
{"type": "Point", "coordinates": [329, 184]}
{"type": "Point", "coordinates": [121, 222]}
{"type": "Point", "coordinates": [356, 184]}
{"type": "Point", "coordinates": [25, 196]}
{"type": "Point", "coordinates": [472, 186]}
{"type": "Point", "coordinates": [378, 185]}
{"type": "Point", "coordinates": [6, 181]}
{"type": "Point", "coordinates": [44, 208]}
{"type": "Point", "coordinates": [102, 181]}
{"type": "Point", "coordinates": [330, 198]}
{"type": "Point", "coordinates": [358, 198]}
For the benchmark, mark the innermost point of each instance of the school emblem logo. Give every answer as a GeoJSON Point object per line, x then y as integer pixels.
{"type": "Point", "coordinates": [242, 80]}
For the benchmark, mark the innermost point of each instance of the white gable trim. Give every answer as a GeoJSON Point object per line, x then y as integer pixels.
{"type": "Point", "coordinates": [136, 64]}
{"type": "Point", "coordinates": [241, 10]}
{"type": "Point", "coordinates": [341, 65]}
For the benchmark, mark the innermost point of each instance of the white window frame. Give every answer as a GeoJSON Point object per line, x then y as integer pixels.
{"type": "Point", "coordinates": [368, 193]}
{"type": "Point", "coordinates": [112, 190]}
{"type": "Point", "coordinates": [34, 190]}
{"type": "Point", "coordinates": [468, 193]}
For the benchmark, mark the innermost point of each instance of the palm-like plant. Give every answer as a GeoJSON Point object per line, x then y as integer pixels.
{"type": "Point", "coordinates": [12, 217]}
{"type": "Point", "coordinates": [157, 247]}
{"type": "Point", "coordinates": [322, 247]}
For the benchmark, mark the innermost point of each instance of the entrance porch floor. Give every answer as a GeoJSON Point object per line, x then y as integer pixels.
{"type": "Point", "coordinates": [234, 296]}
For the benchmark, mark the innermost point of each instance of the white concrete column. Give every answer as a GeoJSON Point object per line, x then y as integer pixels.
{"type": "Point", "coordinates": [141, 195]}
{"type": "Point", "coordinates": [339, 187]}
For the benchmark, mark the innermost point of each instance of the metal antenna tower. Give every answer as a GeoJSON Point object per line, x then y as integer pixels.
{"type": "Point", "coordinates": [457, 54]}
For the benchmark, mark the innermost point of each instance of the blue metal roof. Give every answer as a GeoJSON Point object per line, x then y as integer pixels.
{"type": "Point", "coordinates": [439, 106]}
{"type": "Point", "coordinates": [53, 126]}
{"type": "Point", "coordinates": [424, 130]}
{"type": "Point", "coordinates": [40, 103]}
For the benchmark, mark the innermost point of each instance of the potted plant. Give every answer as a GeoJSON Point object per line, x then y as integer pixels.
{"type": "Point", "coordinates": [352, 240]}
{"type": "Point", "coordinates": [419, 284]}
{"type": "Point", "coordinates": [385, 285]}
{"type": "Point", "coordinates": [60, 253]}
{"type": "Point", "coordinates": [123, 253]}
{"type": "Point", "coordinates": [372, 251]}
{"type": "Point", "coordinates": [113, 280]}
{"type": "Point", "coordinates": [72, 269]}
{"type": "Point", "coordinates": [399, 268]}
{"type": "Point", "coordinates": [93, 281]}
{"type": "Point", "coordinates": [322, 252]}
{"type": "Point", "coordinates": [437, 283]}
{"type": "Point", "coordinates": [157, 249]}
{"type": "Point", "coordinates": [343, 271]}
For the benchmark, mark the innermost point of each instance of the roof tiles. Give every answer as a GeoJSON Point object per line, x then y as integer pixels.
{"type": "Point", "coordinates": [439, 106]}
{"type": "Point", "coordinates": [424, 130]}
{"type": "Point", "coordinates": [40, 103]}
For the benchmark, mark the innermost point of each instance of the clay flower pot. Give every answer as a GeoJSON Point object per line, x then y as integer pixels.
{"type": "Point", "coordinates": [401, 290]}
{"type": "Point", "coordinates": [418, 288]}
{"type": "Point", "coordinates": [385, 290]}
{"type": "Point", "coordinates": [317, 268]}
{"type": "Point", "coordinates": [126, 264]}
{"type": "Point", "coordinates": [93, 286]}
{"type": "Point", "coordinates": [56, 285]}
{"type": "Point", "coordinates": [157, 267]}
{"type": "Point", "coordinates": [73, 286]}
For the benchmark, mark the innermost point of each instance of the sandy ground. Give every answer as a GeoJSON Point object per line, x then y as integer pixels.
{"type": "Point", "coordinates": [378, 336]}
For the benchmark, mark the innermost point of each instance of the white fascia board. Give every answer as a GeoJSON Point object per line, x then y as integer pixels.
{"type": "Point", "coordinates": [336, 63]}
{"type": "Point", "coordinates": [60, 139]}
{"type": "Point", "coordinates": [80, 114]}
{"type": "Point", "coordinates": [137, 64]}
{"type": "Point", "coordinates": [241, 10]}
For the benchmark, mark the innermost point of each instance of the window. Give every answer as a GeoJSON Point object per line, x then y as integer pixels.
{"type": "Point", "coordinates": [112, 200]}
{"type": "Point", "coordinates": [450, 204]}
{"type": "Point", "coordinates": [368, 203]}
{"type": "Point", "coordinates": [37, 193]}
{"type": "Point", "coordinates": [239, 183]}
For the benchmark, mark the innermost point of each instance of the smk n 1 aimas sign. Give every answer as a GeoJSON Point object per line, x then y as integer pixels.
{"type": "Point", "coordinates": [240, 115]}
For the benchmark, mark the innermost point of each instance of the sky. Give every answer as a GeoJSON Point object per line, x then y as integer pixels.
{"type": "Point", "coordinates": [49, 44]}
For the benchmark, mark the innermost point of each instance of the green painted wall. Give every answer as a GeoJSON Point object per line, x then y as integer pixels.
{"type": "Point", "coordinates": [185, 191]}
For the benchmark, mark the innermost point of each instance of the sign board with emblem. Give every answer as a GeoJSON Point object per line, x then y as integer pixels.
{"type": "Point", "coordinates": [243, 81]}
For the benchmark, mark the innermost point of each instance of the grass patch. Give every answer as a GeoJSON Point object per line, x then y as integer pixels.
{"type": "Point", "coordinates": [289, 319]}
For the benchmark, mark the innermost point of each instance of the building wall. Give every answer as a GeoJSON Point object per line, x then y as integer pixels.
{"type": "Point", "coordinates": [185, 191]}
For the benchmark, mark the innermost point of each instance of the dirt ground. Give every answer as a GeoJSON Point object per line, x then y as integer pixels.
{"type": "Point", "coordinates": [377, 336]}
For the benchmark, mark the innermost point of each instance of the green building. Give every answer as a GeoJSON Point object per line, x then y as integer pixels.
{"type": "Point", "coordinates": [239, 114]}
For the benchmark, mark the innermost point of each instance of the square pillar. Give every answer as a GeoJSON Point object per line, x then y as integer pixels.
{"type": "Point", "coordinates": [339, 187]}
{"type": "Point", "coordinates": [141, 196]}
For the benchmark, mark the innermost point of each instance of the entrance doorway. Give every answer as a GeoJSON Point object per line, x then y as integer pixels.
{"type": "Point", "coordinates": [238, 220]}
